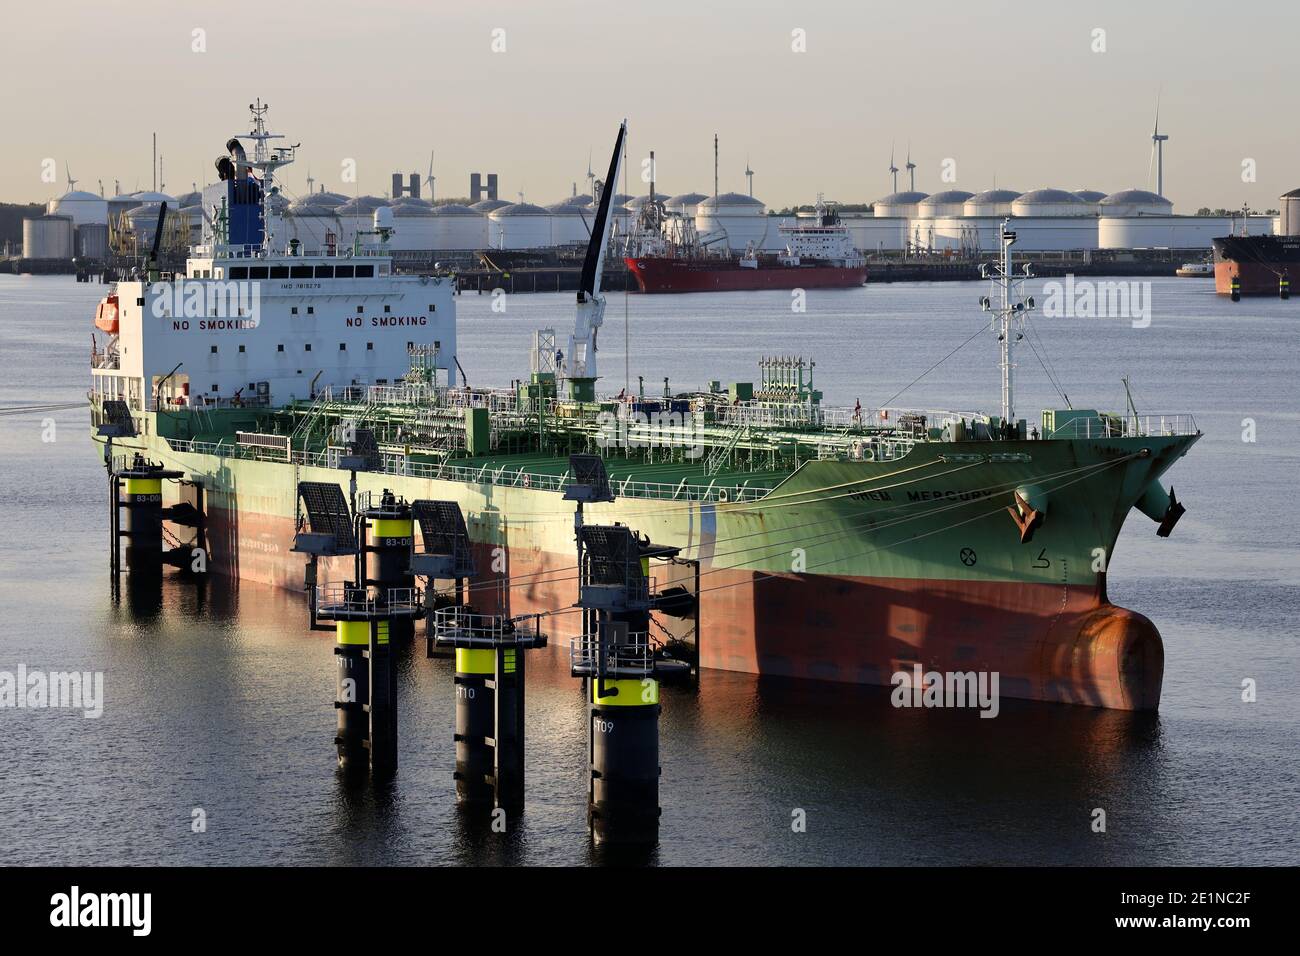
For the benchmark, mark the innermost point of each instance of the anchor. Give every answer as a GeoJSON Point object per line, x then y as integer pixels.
{"type": "Point", "coordinates": [1027, 518]}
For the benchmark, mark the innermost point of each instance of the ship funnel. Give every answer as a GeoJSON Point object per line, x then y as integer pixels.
{"type": "Point", "coordinates": [1162, 506]}
{"type": "Point", "coordinates": [239, 157]}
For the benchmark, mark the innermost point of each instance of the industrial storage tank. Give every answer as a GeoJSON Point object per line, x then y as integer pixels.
{"type": "Point", "coordinates": [519, 225]}
{"type": "Point", "coordinates": [485, 206]}
{"type": "Point", "coordinates": [415, 227]}
{"type": "Point", "coordinates": [871, 234]}
{"type": "Point", "coordinates": [92, 240]}
{"type": "Point", "coordinates": [1091, 196]}
{"type": "Point", "coordinates": [991, 202]}
{"type": "Point", "coordinates": [49, 237]}
{"type": "Point", "coordinates": [357, 216]}
{"type": "Point", "coordinates": [1174, 232]}
{"type": "Point", "coordinates": [1136, 202]}
{"type": "Point", "coordinates": [740, 218]}
{"type": "Point", "coordinates": [312, 221]}
{"type": "Point", "coordinates": [79, 206]}
{"type": "Point", "coordinates": [1289, 214]}
{"type": "Point", "coordinates": [569, 223]}
{"type": "Point", "coordinates": [684, 204]}
{"type": "Point", "coordinates": [950, 202]}
{"type": "Point", "coordinates": [900, 205]}
{"type": "Point", "coordinates": [458, 227]}
{"type": "Point", "coordinates": [1048, 202]}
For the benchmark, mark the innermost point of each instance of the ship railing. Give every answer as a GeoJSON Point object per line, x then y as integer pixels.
{"type": "Point", "coordinates": [632, 657]}
{"type": "Point", "coordinates": [371, 599]}
{"type": "Point", "coordinates": [1129, 426]}
{"type": "Point", "coordinates": [105, 360]}
{"type": "Point", "coordinates": [273, 445]}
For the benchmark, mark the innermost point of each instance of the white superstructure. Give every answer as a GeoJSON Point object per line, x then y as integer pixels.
{"type": "Point", "coordinates": [258, 319]}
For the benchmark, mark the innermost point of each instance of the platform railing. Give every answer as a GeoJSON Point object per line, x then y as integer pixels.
{"type": "Point", "coordinates": [632, 657]}
{"type": "Point", "coordinates": [371, 599]}
{"type": "Point", "coordinates": [1129, 426]}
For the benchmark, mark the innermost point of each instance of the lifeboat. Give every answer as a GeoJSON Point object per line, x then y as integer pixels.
{"type": "Point", "coordinates": [106, 315]}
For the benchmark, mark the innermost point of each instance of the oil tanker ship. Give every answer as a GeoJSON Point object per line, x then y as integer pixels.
{"type": "Point", "coordinates": [818, 254]}
{"type": "Point", "coordinates": [1260, 264]}
{"type": "Point", "coordinates": [812, 541]}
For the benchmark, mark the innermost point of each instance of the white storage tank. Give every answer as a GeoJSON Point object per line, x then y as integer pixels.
{"type": "Point", "coordinates": [1048, 233]}
{"type": "Point", "coordinates": [415, 227]}
{"type": "Point", "coordinates": [458, 227]}
{"type": "Point", "coordinates": [485, 207]}
{"type": "Point", "coordinates": [900, 205]}
{"type": "Point", "coordinates": [1092, 198]}
{"type": "Point", "coordinates": [741, 218]}
{"type": "Point", "coordinates": [1289, 214]}
{"type": "Point", "coordinates": [312, 221]}
{"type": "Point", "coordinates": [991, 202]}
{"type": "Point", "coordinates": [950, 202]}
{"type": "Point", "coordinates": [1049, 202]}
{"type": "Point", "coordinates": [1135, 202]}
{"type": "Point", "coordinates": [49, 237]}
{"type": "Point", "coordinates": [519, 225]}
{"type": "Point", "coordinates": [684, 204]}
{"type": "Point", "coordinates": [79, 206]}
{"type": "Point", "coordinates": [570, 223]}
{"type": "Point", "coordinates": [357, 216]}
{"type": "Point", "coordinates": [872, 234]}
{"type": "Point", "coordinates": [1174, 232]}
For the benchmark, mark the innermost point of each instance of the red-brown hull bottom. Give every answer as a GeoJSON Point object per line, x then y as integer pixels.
{"type": "Point", "coordinates": [684, 275]}
{"type": "Point", "coordinates": [1256, 278]}
{"type": "Point", "coordinates": [1052, 643]}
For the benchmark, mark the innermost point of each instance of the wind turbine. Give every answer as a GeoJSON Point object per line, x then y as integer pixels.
{"type": "Point", "coordinates": [430, 179]}
{"type": "Point", "coordinates": [591, 177]}
{"type": "Point", "coordinates": [749, 173]}
{"type": "Point", "coordinates": [72, 183]}
{"type": "Point", "coordinates": [1158, 140]}
{"type": "Point", "coordinates": [911, 169]}
{"type": "Point", "coordinates": [310, 181]}
{"type": "Point", "coordinates": [893, 170]}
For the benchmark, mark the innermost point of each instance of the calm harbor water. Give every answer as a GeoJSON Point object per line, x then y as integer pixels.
{"type": "Point", "coordinates": [221, 698]}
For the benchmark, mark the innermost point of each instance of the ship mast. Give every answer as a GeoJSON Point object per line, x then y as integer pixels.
{"type": "Point", "coordinates": [1008, 316]}
{"type": "Point", "coordinates": [266, 160]}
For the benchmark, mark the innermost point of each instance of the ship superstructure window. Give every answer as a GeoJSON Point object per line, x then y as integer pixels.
{"type": "Point", "coordinates": [388, 308]}
{"type": "Point", "coordinates": [293, 310]}
{"type": "Point", "coordinates": [280, 347]}
{"type": "Point", "coordinates": [343, 346]}
{"type": "Point", "coordinates": [279, 272]}
{"type": "Point", "coordinates": [300, 272]}
{"type": "Point", "coordinates": [343, 272]}
{"type": "Point", "coordinates": [239, 272]}
{"type": "Point", "coordinates": [214, 350]}
{"type": "Point", "coordinates": [307, 347]}
{"type": "Point", "coordinates": [258, 272]}
{"type": "Point", "coordinates": [360, 309]}
{"type": "Point", "coordinates": [241, 348]}
{"type": "Point", "coordinates": [433, 308]}
{"type": "Point", "coordinates": [365, 272]}
{"type": "Point", "coordinates": [311, 310]}
{"type": "Point", "coordinates": [370, 346]}
{"type": "Point", "coordinates": [324, 272]}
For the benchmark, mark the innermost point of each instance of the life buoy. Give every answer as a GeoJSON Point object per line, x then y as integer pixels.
{"type": "Point", "coordinates": [724, 495]}
{"type": "Point", "coordinates": [528, 480]}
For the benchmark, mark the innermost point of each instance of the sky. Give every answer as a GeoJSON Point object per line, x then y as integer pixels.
{"type": "Point", "coordinates": [812, 95]}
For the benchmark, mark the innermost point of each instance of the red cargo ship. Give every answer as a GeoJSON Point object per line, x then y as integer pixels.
{"type": "Point", "coordinates": [818, 254]}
